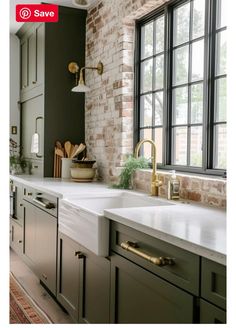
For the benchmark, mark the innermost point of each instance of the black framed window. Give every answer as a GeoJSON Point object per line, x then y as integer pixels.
{"type": "Point", "coordinates": [181, 85]}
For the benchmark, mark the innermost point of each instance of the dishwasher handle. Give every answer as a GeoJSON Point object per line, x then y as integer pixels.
{"type": "Point", "coordinates": [47, 205]}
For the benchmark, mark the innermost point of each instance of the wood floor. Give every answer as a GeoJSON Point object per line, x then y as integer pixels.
{"type": "Point", "coordinates": [31, 284]}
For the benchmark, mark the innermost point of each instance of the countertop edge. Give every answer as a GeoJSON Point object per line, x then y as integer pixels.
{"type": "Point", "coordinates": [176, 241]}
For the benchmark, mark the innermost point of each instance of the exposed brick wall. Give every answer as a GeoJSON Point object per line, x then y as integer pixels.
{"type": "Point", "coordinates": [209, 191]}
{"type": "Point", "coordinates": [109, 105]}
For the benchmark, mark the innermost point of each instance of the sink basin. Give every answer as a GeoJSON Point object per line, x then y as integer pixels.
{"type": "Point", "coordinates": [82, 217]}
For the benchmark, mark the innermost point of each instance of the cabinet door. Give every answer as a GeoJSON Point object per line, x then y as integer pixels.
{"type": "Point", "coordinates": [24, 63]}
{"type": "Point", "coordinates": [32, 60]}
{"type": "Point", "coordinates": [29, 249]}
{"type": "Point", "coordinates": [138, 296]}
{"type": "Point", "coordinates": [31, 110]}
{"type": "Point", "coordinates": [40, 54]}
{"type": "Point", "coordinates": [19, 206]}
{"type": "Point", "coordinates": [46, 242]}
{"type": "Point", "coordinates": [211, 314]}
{"type": "Point", "coordinates": [16, 237]}
{"type": "Point", "coordinates": [68, 275]}
{"type": "Point", "coordinates": [94, 302]}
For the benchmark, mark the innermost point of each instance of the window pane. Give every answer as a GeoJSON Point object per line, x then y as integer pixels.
{"type": "Point", "coordinates": [159, 80]}
{"type": "Point", "coordinates": [147, 40]}
{"type": "Point", "coordinates": [198, 18]}
{"type": "Point", "coordinates": [159, 108]}
{"type": "Point", "coordinates": [160, 34]}
{"type": "Point", "coordinates": [196, 103]}
{"type": "Point", "coordinates": [146, 110]}
{"type": "Point", "coordinates": [146, 150]}
{"type": "Point", "coordinates": [180, 106]}
{"type": "Point", "coordinates": [221, 54]}
{"type": "Point", "coordinates": [180, 69]}
{"type": "Point", "coordinates": [196, 146]}
{"type": "Point", "coordinates": [197, 60]}
{"type": "Point", "coordinates": [220, 147]}
{"type": "Point", "coordinates": [158, 142]}
{"type": "Point", "coordinates": [181, 24]}
{"type": "Point", "coordinates": [221, 101]}
{"type": "Point", "coordinates": [221, 16]}
{"type": "Point", "coordinates": [180, 146]}
{"type": "Point", "coordinates": [146, 75]}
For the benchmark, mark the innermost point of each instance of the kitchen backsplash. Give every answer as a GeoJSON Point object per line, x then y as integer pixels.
{"type": "Point", "coordinates": [206, 190]}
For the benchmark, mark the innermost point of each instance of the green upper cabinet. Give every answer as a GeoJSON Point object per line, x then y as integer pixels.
{"type": "Point", "coordinates": [32, 58]}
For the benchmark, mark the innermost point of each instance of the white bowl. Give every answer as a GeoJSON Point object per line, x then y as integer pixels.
{"type": "Point", "coordinates": [82, 172]}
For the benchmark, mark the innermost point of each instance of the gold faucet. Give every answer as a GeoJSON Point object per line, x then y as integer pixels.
{"type": "Point", "coordinates": [155, 184]}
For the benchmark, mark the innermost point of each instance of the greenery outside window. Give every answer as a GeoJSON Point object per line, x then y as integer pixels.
{"type": "Point", "coordinates": [181, 85]}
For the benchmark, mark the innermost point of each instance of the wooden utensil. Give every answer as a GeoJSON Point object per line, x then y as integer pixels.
{"type": "Point", "coordinates": [58, 144]}
{"type": "Point", "coordinates": [79, 150]}
{"type": "Point", "coordinates": [71, 150]}
{"type": "Point", "coordinates": [59, 152]}
{"type": "Point", "coordinates": [67, 147]}
{"type": "Point", "coordinates": [54, 163]}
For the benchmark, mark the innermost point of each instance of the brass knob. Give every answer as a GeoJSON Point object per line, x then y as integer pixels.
{"type": "Point", "coordinates": [19, 241]}
{"type": "Point", "coordinates": [30, 194]}
{"type": "Point", "coordinates": [21, 204]}
{"type": "Point", "coordinates": [44, 276]}
{"type": "Point", "coordinates": [34, 82]}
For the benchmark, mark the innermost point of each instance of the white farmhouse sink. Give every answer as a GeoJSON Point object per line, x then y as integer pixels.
{"type": "Point", "coordinates": [82, 217]}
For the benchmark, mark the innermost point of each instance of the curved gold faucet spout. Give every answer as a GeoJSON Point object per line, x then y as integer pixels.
{"type": "Point", "coordinates": [155, 184]}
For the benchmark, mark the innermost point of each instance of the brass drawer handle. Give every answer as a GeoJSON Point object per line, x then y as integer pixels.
{"type": "Point", "coordinates": [133, 248]}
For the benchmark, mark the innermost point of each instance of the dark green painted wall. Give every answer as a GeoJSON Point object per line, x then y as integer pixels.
{"type": "Point", "coordinates": [64, 110]}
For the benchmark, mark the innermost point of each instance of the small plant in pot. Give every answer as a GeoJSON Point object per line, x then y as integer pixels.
{"type": "Point", "coordinates": [18, 164]}
{"type": "Point", "coordinates": [130, 166]}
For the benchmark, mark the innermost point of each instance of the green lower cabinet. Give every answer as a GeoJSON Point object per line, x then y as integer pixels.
{"type": "Point", "coordinates": [68, 275]}
{"type": "Point", "coordinates": [210, 313]}
{"type": "Point", "coordinates": [16, 237]}
{"type": "Point", "coordinates": [83, 282]}
{"type": "Point", "coordinates": [138, 296]}
{"type": "Point", "coordinates": [94, 302]}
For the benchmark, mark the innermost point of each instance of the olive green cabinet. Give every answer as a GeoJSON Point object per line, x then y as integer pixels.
{"type": "Point", "coordinates": [32, 60]}
{"type": "Point", "coordinates": [30, 226]}
{"type": "Point", "coordinates": [94, 302]}
{"type": "Point", "coordinates": [46, 249]}
{"type": "Point", "coordinates": [210, 313]}
{"type": "Point", "coordinates": [46, 83]}
{"type": "Point", "coordinates": [16, 237]}
{"type": "Point", "coordinates": [139, 296]}
{"type": "Point", "coordinates": [40, 244]}
{"type": "Point", "coordinates": [213, 292]}
{"type": "Point", "coordinates": [83, 282]}
{"type": "Point", "coordinates": [68, 275]}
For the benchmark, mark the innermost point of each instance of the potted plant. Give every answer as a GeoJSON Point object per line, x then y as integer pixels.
{"type": "Point", "coordinates": [18, 163]}
{"type": "Point", "coordinates": [130, 166]}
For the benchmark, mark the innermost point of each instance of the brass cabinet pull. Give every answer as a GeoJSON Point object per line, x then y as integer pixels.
{"type": "Point", "coordinates": [133, 248]}
{"type": "Point", "coordinates": [34, 82]}
{"type": "Point", "coordinates": [79, 254]}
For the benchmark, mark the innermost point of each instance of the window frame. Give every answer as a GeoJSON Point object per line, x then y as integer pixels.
{"type": "Point", "coordinates": [208, 86]}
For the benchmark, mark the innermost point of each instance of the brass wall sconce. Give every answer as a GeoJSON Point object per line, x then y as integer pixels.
{"type": "Point", "coordinates": [81, 86]}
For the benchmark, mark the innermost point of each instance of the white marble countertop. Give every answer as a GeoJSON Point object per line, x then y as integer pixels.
{"type": "Point", "coordinates": [59, 187]}
{"type": "Point", "coordinates": [197, 228]}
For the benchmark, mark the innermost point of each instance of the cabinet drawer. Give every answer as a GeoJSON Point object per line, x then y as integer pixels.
{"type": "Point", "coordinates": [213, 282]}
{"type": "Point", "coordinates": [184, 272]}
{"type": "Point", "coordinates": [211, 314]}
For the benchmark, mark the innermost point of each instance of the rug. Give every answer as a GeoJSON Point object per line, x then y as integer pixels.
{"type": "Point", "coordinates": [23, 310]}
